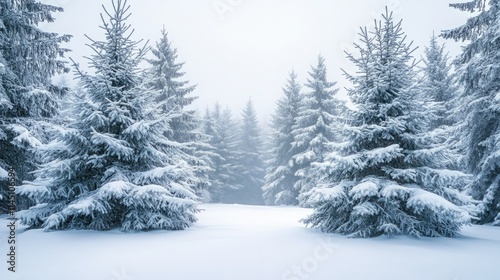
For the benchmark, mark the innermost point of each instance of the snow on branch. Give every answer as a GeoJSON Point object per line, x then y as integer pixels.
{"type": "Point", "coordinates": [408, 175]}
{"type": "Point", "coordinates": [24, 138]}
{"type": "Point", "coordinates": [114, 190]}
{"type": "Point", "coordinates": [36, 189]}
{"type": "Point", "coordinates": [395, 191]}
{"type": "Point", "coordinates": [422, 200]}
{"type": "Point", "coordinates": [381, 155]}
{"type": "Point", "coordinates": [112, 145]}
{"type": "Point", "coordinates": [335, 193]}
{"type": "Point", "coordinates": [363, 190]}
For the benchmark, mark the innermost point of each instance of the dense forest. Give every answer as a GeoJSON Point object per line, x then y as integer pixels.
{"type": "Point", "coordinates": [414, 151]}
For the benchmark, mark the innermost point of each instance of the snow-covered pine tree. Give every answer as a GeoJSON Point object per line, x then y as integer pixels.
{"type": "Point", "coordinates": [166, 72]}
{"type": "Point", "coordinates": [200, 156]}
{"type": "Point", "coordinates": [220, 127]}
{"type": "Point", "coordinates": [29, 57]}
{"type": "Point", "coordinates": [478, 69]}
{"type": "Point", "coordinates": [210, 156]}
{"type": "Point", "coordinates": [438, 83]}
{"type": "Point", "coordinates": [250, 166]}
{"type": "Point", "coordinates": [164, 75]}
{"type": "Point", "coordinates": [113, 167]}
{"type": "Point", "coordinates": [280, 175]}
{"type": "Point", "coordinates": [391, 177]}
{"type": "Point", "coordinates": [315, 127]}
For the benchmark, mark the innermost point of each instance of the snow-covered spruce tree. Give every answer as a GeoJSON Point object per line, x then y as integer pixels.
{"type": "Point", "coordinates": [29, 57]}
{"type": "Point", "coordinates": [210, 156]}
{"type": "Point", "coordinates": [250, 166]}
{"type": "Point", "coordinates": [438, 83]}
{"type": "Point", "coordinates": [390, 177]}
{"type": "Point", "coordinates": [199, 156]}
{"type": "Point", "coordinates": [315, 127]}
{"type": "Point", "coordinates": [164, 74]}
{"type": "Point", "coordinates": [478, 70]}
{"type": "Point", "coordinates": [113, 167]}
{"type": "Point", "coordinates": [280, 175]}
{"type": "Point", "coordinates": [220, 127]}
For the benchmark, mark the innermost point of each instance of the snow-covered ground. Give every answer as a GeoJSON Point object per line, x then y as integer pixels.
{"type": "Point", "coordinates": [237, 242]}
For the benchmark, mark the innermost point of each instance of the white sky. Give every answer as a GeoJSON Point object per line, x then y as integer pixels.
{"type": "Point", "coordinates": [248, 51]}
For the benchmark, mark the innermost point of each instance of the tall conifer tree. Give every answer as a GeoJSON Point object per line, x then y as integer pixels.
{"type": "Point", "coordinates": [165, 75]}
{"type": "Point", "coordinates": [113, 167]}
{"type": "Point", "coordinates": [478, 70]}
{"type": "Point", "coordinates": [391, 177]}
{"type": "Point", "coordinates": [280, 176]}
{"type": "Point", "coordinates": [29, 58]}
{"type": "Point", "coordinates": [250, 166]}
{"type": "Point", "coordinates": [316, 125]}
{"type": "Point", "coordinates": [438, 83]}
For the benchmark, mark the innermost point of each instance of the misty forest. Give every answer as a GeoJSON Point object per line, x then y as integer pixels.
{"type": "Point", "coordinates": [415, 150]}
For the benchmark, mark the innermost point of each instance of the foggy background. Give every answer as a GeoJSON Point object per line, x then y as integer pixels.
{"type": "Point", "coordinates": [237, 49]}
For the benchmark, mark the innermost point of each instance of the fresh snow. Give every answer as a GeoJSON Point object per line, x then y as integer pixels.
{"type": "Point", "coordinates": [323, 194]}
{"type": "Point", "coordinates": [37, 188]}
{"type": "Point", "coordinates": [249, 242]}
{"type": "Point", "coordinates": [364, 189]}
{"type": "Point", "coordinates": [422, 198]}
{"type": "Point", "coordinates": [23, 137]}
{"type": "Point", "coordinates": [115, 189]}
{"type": "Point", "coordinates": [85, 205]}
{"type": "Point", "coordinates": [393, 190]}
{"type": "Point", "coordinates": [384, 154]}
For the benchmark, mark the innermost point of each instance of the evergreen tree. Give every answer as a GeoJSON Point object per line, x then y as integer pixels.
{"type": "Point", "coordinates": [280, 177]}
{"type": "Point", "coordinates": [478, 69]}
{"type": "Point", "coordinates": [164, 74]}
{"type": "Point", "coordinates": [250, 166]}
{"type": "Point", "coordinates": [315, 127]}
{"type": "Point", "coordinates": [439, 86]}
{"type": "Point", "coordinates": [29, 57]}
{"type": "Point", "coordinates": [113, 167]}
{"type": "Point", "coordinates": [391, 176]}
{"type": "Point", "coordinates": [200, 156]}
{"type": "Point", "coordinates": [438, 83]}
{"type": "Point", "coordinates": [220, 127]}
{"type": "Point", "coordinates": [213, 158]}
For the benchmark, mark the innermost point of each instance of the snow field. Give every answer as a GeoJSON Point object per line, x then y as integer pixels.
{"type": "Point", "coordinates": [249, 243]}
